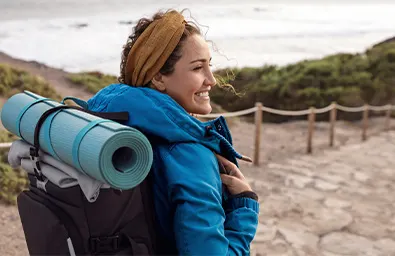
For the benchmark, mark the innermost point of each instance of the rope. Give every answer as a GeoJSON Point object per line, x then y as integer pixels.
{"type": "Point", "coordinates": [283, 112]}
{"type": "Point", "coordinates": [299, 112]}
{"type": "Point", "coordinates": [323, 110]}
{"type": "Point", "coordinates": [286, 112]}
{"type": "Point", "coordinates": [5, 145]}
{"type": "Point", "coordinates": [350, 109]}
{"type": "Point", "coordinates": [380, 108]}
{"type": "Point", "coordinates": [231, 114]}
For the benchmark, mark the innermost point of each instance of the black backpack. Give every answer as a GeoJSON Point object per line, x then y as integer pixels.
{"type": "Point", "coordinates": [61, 221]}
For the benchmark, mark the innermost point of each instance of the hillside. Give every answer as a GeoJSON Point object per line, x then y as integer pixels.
{"type": "Point", "coordinates": [348, 79]}
{"type": "Point", "coordinates": [57, 78]}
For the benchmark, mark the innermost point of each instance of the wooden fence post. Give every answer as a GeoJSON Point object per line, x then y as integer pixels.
{"type": "Point", "coordinates": [388, 118]}
{"type": "Point", "coordinates": [258, 125]}
{"type": "Point", "coordinates": [365, 121]}
{"type": "Point", "coordinates": [333, 117]}
{"type": "Point", "coordinates": [311, 119]}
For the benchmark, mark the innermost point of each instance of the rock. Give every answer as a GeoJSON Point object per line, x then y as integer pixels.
{"type": "Point", "coordinates": [298, 235]}
{"type": "Point", "coordinates": [360, 176]}
{"type": "Point", "coordinates": [276, 206]}
{"type": "Point", "coordinates": [291, 168]}
{"type": "Point", "coordinates": [322, 220]}
{"type": "Point", "coordinates": [387, 246]}
{"type": "Point", "coordinates": [371, 228]}
{"type": "Point", "coordinates": [277, 247]}
{"type": "Point", "coordinates": [336, 203]}
{"type": "Point", "coordinates": [80, 25]}
{"type": "Point", "coordinates": [347, 244]}
{"type": "Point", "coordinates": [325, 186]}
{"type": "Point", "coordinates": [330, 254]}
{"type": "Point", "coordinates": [309, 194]}
{"type": "Point", "coordinates": [126, 22]}
{"type": "Point", "coordinates": [260, 9]}
{"type": "Point", "coordinates": [298, 181]}
{"type": "Point", "coordinates": [332, 177]}
{"type": "Point", "coordinates": [300, 163]}
{"type": "Point", "coordinates": [265, 232]}
{"type": "Point", "coordinates": [367, 208]}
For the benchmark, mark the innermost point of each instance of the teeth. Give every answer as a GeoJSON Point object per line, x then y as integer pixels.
{"type": "Point", "coordinates": [201, 94]}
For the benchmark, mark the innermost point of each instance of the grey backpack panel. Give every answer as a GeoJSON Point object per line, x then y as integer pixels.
{"type": "Point", "coordinates": [62, 221]}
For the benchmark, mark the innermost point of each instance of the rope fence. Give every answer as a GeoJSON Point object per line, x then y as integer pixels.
{"type": "Point", "coordinates": [311, 113]}
{"type": "Point", "coordinates": [5, 145]}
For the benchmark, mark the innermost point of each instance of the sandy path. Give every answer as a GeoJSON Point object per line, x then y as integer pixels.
{"type": "Point", "coordinates": [326, 178]}
{"type": "Point", "coordinates": [337, 202]}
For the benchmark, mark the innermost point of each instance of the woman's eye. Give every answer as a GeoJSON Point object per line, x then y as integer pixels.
{"type": "Point", "coordinates": [197, 68]}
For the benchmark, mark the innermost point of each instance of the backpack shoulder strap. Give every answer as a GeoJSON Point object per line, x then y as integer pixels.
{"type": "Point", "coordinates": [83, 104]}
{"type": "Point", "coordinates": [114, 116]}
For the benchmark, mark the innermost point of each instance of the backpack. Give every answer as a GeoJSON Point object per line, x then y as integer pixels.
{"type": "Point", "coordinates": [61, 221]}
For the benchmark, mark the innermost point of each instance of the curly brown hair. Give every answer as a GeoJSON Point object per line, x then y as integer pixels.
{"type": "Point", "coordinates": [168, 68]}
{"type": "Point", "coordinates": [190, 29]}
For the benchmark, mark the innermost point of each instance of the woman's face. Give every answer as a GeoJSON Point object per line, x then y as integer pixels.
{"type": "Point", "coordinates": [192, 78]}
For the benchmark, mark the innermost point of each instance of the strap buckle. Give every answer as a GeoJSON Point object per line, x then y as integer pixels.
{"type": "Point", "coordinates": [106, 244]}
{"type": "Point", "coordinates": [35, 158]}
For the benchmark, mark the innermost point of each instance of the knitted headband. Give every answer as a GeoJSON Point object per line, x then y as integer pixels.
{"type": "Point", "coordinates": [153, 47]}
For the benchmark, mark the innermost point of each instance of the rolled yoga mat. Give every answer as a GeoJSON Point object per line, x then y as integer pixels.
{"type": "Point", "coordinates": [105, 150]}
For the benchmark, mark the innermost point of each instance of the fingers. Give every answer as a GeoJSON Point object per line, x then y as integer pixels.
{"type": "Point", "coordinates": [235, 185]}
{"type": "Point", "coordinates": [228, 180]}
{"type": "Point", "coordinates": [231, 168]}
{"type": "Point", "coordinates": [224, 161]}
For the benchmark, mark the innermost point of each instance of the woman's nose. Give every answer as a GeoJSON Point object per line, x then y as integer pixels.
{"type": "Point", "coordinates": [210, 79]}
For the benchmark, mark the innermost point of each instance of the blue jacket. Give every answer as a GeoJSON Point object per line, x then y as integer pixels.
{"type": "Point", "coordinates": [194, 214]}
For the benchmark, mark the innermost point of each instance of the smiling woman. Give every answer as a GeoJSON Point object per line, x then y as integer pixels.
{"type": "Point", "coordinates": [185, 75]}
{"type": "Point", "coordinates": [202, 202]}
{"type": "Point", "coordinates": [190, 82]}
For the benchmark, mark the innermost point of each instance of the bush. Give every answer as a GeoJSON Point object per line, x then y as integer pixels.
{"type": "Point", "coordinates": [6, 136]}
{"type": "Point", "coordinates": [92, 81]}
{"type": "Point", "coordinates": [12, 181]}
{"type": "Point", "coordinates": [349, 79]}
{"type": "Point", "coordinates": [14, 81]}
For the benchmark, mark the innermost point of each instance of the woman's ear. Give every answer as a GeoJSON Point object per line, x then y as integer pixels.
{"type": "Point", "coordinates": [158, 82]}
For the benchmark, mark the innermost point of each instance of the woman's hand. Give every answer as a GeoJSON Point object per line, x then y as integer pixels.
{"type": "Point", "coordinates": [234, 180]}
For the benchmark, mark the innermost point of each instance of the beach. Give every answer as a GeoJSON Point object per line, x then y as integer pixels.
{"type": "Point", "coordinates": [89, 35]}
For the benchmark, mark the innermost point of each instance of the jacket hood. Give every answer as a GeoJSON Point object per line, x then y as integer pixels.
{"type": "Point", "coordinates": [160, 117]}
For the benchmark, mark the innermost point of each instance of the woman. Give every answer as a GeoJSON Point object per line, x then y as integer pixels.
{"type": "Point", "coordinates": [165, 75]}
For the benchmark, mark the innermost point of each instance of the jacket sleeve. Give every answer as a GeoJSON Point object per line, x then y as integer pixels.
{"type": "Point", "coordinates": [201, 224]}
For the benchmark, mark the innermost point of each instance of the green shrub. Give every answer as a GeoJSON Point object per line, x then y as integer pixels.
{"type": "Point", "coordinates": [92, 81]}
{"type": "Point", "coordinates": [14, 81]}
{"type": "Point", "coordinates": [349, 79]}
{"type": "Point", "coordinates": [12, 181]}
{"type": "Point", "coordinates": [6, 136]}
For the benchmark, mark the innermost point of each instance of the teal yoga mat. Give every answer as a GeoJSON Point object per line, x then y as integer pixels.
{"type": "Point", "coordinates": [118, 155]}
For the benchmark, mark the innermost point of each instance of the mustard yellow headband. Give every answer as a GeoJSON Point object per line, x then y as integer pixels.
{"type": "Point", "coordinates": [153, 47]}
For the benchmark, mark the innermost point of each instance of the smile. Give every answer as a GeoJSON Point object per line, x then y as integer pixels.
{"type": "Point", "coordinates": [202, 94]}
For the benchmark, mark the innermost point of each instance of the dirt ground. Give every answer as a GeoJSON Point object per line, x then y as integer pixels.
{"type": "Point", "coordinates": [335, 202]}
{"type": "Point", "coordinates": [328, 203]}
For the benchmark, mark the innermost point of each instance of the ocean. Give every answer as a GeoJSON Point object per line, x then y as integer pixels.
{"type": "Point", "coordinates": [88, 35]}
